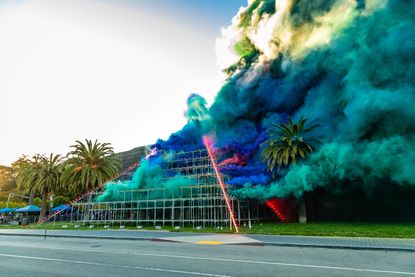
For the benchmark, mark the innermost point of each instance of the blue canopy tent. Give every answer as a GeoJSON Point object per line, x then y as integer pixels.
{"type": "Point", "coordinates": [63, 207]}
{"type": "Point", "coordinates": [30, 214]}
{"type": "Point", "coordinates": [29, 209]}
{"type": "Point", "coordinates": [8, 210]}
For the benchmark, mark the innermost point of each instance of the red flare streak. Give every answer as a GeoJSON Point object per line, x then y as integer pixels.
{"type": "Point", "coordinates": [275, 206]}
{"type": "Point", "coordinates": [206, 141]}
{"type": "Point", "coordinates": [285, 209]}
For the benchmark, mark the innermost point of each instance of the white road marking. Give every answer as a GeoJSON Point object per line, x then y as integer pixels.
{"type": "Point", "coordinates": [114, 265]}
{"type": "Point", "coordinates": [217, 259]}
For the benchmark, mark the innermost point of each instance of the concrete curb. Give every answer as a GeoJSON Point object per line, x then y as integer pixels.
{"type": "Point", "coordinates": [77, 237]}
{"type": "Point", "coordinates": [261, 243]}
{"type": "Point", "coordinates": [344, 247]}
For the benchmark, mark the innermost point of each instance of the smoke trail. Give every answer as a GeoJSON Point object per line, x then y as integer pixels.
{"type": "Point", "coordinates": [347, 65]}
{"type": "Point", "coordinates": [360, 163]}
{"type": "Point", "coordinates": [149, 175]}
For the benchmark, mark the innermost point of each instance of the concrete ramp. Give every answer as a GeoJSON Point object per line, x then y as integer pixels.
{"type": "Point", "coordinates": [215, 239]}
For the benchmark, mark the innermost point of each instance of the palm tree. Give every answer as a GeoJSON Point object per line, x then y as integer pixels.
{"type": "Point", "coordinates": [41, 175]}
{"type": "Point", "coordinates": [49, 178]}
{"type": "Point", "coordinates": [18, 166]}
{"type": "Point", "coordinates": [89, 165]}
{"type": "Point", "coordinates": [286, 143]}
{"type": "Point", "coordinates": [26, 170]}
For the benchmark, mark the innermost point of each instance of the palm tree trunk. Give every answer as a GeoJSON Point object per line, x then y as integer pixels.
{"type": "Point", "coordinates": [302, 211]}
{"type": "Point", "coordinates": [89, 197]}
{"type": "Point", "coordinates": [31, 197]}
{"type": "Point", "coordinates": [44, 202]}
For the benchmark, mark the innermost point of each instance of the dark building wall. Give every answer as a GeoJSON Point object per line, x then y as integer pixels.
{"type": "Point", "coordinates": [351, 202]}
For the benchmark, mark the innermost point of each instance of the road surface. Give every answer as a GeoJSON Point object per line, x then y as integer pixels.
{"type": "Point", "coordinates": [35, 256]}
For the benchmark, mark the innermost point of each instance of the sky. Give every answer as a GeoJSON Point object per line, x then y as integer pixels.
{"type": "Point", "coordinates": [116, 71]}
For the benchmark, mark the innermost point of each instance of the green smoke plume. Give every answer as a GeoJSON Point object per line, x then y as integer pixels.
{"type": "Point", "coordinates": [149, 175]}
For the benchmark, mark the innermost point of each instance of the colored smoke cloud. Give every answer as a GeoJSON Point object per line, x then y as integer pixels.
{"type": "Point", "coordinates": [347, 65]}
{"type": "Point", "coordinates": [149, 175]}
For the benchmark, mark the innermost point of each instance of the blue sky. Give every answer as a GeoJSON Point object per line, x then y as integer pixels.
{"type": "Point", "coordinates": [117, 71]}
{"type": "Point", "coordinates": [208, 15]}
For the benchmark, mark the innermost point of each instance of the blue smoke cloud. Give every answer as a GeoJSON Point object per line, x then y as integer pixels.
{"type": "Point", "coordinates": [349, 66]}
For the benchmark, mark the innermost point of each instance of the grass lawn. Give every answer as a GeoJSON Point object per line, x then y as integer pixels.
{"type": "Point", "coordinates": [384, 230]}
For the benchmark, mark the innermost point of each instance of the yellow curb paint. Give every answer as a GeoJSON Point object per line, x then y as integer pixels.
{"type": "Point", "coordinates": [208, 242]}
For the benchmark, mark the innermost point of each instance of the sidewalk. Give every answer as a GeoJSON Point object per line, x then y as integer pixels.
{"type": "Point", "coordinates": [387, 244]}
{"type": "Point", "coordinates": [340, 242]}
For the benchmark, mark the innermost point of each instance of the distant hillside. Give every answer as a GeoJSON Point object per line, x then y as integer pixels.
{"type": "Point", "coordinates": [131, 156]}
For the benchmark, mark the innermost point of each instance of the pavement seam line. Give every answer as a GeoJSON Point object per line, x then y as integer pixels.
{"type": "Point", "coordinates": [222, 260]}
{"type": "Point", "coordinates": [113, 265]}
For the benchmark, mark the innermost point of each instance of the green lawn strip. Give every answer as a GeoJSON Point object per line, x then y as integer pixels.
{"type": "Point", "coordinates": [382, 230]}
{"type": "Point", "coordinates": [325, 229]}
{"type": "Point", "coordinates": [385, 230]}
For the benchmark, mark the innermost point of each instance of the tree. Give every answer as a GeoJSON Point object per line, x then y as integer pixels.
{"type": "Point", "coordinates": [42, 175]}
{"type": "Point", "coordinates": [26, 170]}
{"type": "Point", "coordinates": [59, 200]}
{"type": "Point", "coordinates": [17, 167]}
{"type": "Point", "coordinates": [7, 179]}
{"type": "Point", "coordinates": [89, 165]}
{"type": "Point", "coordinates": [49, 179]}
{"type": "Point", "coordinates": [286, 143]}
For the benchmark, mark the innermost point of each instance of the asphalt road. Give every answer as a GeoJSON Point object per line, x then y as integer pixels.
{"type": "Point", "coordinates": [35, 256]}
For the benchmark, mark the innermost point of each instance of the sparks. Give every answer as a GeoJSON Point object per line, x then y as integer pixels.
{"type": "Point", "coordinates": [207, 142]}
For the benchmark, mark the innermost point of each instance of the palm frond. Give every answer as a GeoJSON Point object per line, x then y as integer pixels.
{"type": "Point", "coordinates": [95, 163]}
{"type": "Point", "coordinates": [286, 143]}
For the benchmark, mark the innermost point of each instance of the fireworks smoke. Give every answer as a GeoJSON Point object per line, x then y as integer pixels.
{"type": "Point", "coordinates": [346, 65]}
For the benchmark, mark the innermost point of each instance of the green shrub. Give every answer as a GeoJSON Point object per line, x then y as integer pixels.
{"type": "Point", "coordinates": [38, 202]}
{"type": "Point", "coordinates": [12, 204]}
{"type": "Point", "coordinates": [59, 200]}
